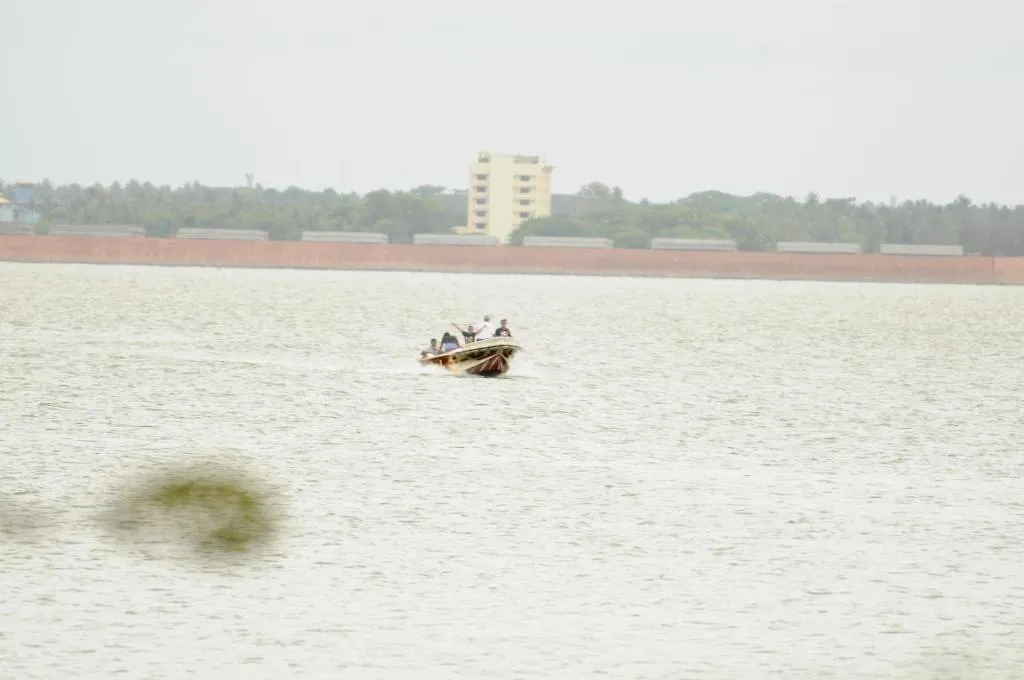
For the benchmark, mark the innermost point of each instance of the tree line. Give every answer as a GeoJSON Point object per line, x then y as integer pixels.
{"type": "Point", "coordinates": [755, 222]}
{"type": "Point", "coordinates": [760, 221]}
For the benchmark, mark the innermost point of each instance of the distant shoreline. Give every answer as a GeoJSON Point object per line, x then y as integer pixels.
{"type": "Point", "coordinates": [977, 270]}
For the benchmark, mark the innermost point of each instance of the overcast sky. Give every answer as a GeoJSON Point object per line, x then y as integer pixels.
{"type": "Point", "coordinates": [862, 98]}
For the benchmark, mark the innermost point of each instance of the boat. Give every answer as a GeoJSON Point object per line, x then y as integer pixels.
{"type": "Point", "coordinates": [486, 358]}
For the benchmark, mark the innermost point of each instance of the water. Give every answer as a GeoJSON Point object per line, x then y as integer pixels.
{"type": "Point", "coordinates": [679, 479]}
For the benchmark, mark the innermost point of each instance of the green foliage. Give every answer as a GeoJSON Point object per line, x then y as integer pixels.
{"type": "Point", "coordinates": [756, 222]}
{"type": "Point", "coordinates": [759, 221]}
{"type": "Point", "coordinates": [550, 226]}
{"type": "Point", "coordinates": [632, 238]}
{"type": "Point", "coordinates": [283, 214]}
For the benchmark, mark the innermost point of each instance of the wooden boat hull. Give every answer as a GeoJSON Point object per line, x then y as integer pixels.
{"type": "Point", "coordinates": [486, 358]}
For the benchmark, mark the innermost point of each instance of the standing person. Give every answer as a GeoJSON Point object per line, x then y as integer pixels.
{"type": "Point", "coordinates": [503, 331]}
{"type": "Point", "coordinates": [468, 335]}
{"type": "Point", "coordinates": [485, 330]}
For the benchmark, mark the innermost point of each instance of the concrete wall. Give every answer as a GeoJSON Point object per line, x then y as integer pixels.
{"type": "Point", "coordinates": [22, 229]}
{"type": "Point", "coordinates": [222, 234]}
{"type": "Point", "coordinates": [693, 244]}
{"type": "Point", "coordinates": [99, 230]}
{"type": "Point", "coordinates": [479, 240]}
{"type": "Point", "coordinates": [566, 242]}
{"type": "Point", "coordinates": [344, 237]}
{"type": "Point", "coordinates": [815, 247]}
{"type": "Point", "coordinates": [917, 249]}
{"type": "Point", "coordinates": [497, 259]}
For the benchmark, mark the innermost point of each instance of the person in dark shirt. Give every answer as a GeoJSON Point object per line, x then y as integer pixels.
{"type": "Point", "coordinates": [448, 342]}
{"type": "Point", "coordinates": [468, 334]}
{"type": "Point", "coordinates": [503, 331]}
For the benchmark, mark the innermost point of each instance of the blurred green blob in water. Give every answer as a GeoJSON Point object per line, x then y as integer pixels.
{"type": "Point", "coordinates": [216, 512]}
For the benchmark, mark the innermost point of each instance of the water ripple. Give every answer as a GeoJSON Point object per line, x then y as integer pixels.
{"type": "Point", "coordinates": [700, 479]}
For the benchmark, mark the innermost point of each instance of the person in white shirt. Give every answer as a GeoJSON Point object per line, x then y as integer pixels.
{"type": "Point", "coordinates": [485, 330]}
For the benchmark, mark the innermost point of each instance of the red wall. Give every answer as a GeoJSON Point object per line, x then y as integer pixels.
{"type": "Point", "coordinates": [296, 254]}
{"type": "Point", "coordinates": [1009, 269]}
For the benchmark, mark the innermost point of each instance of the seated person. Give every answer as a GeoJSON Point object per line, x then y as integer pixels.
{"type": "Point", "coordinates": [503, 331]}
{"type": "Point", "coordinates": [430, 351]}
{"type": "Point", "coordinates": [448, 342]}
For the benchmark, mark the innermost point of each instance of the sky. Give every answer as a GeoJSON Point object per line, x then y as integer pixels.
{"type": "Point", "coordinates": [868, 99]}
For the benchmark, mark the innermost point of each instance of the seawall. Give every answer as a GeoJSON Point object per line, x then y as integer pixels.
{"type": "Point", "coordinates": [498, 259]}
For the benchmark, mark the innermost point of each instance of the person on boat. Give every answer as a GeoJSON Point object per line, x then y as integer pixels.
{"type": "Point", "coordinates": [503, 331]}
{"type": "Point", "coordinates": [430, 351]}
{"type": "Point", "coordinates": [468, 334]}
{"type": "Point", "coordinates": [448, 342]}
{"type": "Point", "coordinates": [484, 329]}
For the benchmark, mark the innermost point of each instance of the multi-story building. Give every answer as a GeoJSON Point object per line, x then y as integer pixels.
{"type": "Point", "coordinates": [504, 191]}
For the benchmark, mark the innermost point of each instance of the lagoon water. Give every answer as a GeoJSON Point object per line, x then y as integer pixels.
{"type": "Point", "coordinates": [679, 479]}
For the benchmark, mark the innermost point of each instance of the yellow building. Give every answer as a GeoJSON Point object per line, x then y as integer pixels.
{"type": "Point", "coordinates": [504, 191]}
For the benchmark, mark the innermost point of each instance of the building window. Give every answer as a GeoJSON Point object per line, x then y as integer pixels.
{"type": "Point", "coordinates": [481, 177]}
{"type": "Point", "coordinates": [525, 190]}
{"type": "Point", "coordinates": [481, 201]}
{"type": "Point", "coordinates": [525, 178]}
{"type": "Point", "coordinates": [481, 189]}
{"type": "Point", "coordinates": [481, 225]}
{"type": "Point", "coordinates": [524, 201]}
{"type": "Point", "coordinates": [524, 216]}
{"type": "Point", "coordinates": [481, 213]}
